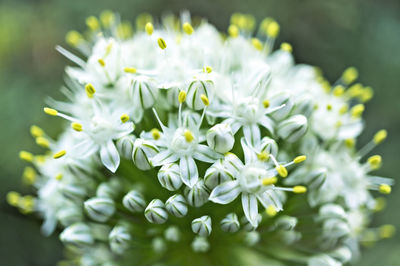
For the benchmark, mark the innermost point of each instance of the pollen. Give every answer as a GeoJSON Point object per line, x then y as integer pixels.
{"type": "Point", "coordinates": [350, 75]}
{"type": "Point", "coordinates": [43, 142]}
{"type": "Point", "coordinates": [77, 126]}
{"type": "Point", "coordinates": [273, 29]}
{"type": "Point", "coordinates": [385, 189]}
{"type": "Point", "coordinates": [271, 211]}
{"type": "Point", "coordinates": [90, 90]}
{"type": "Point", "coordinates": [74, 38]}
{"type": "Point", "coordinates": [380, 136]}
{"type": "Point", "coordinates": [182, 96]}
{"type": "Point", "coordinates": [93, 23]}
{"type": "Point", "coordinates": [263, 156]}
{"type": "Point", "coordinates": [101, 62]}
{"type": "Point", "coordinates": [130, 70]}
{"type": "Point", "coordinates": [149, 28]}
{"type": "Point", "coordinates": [286, 47]}
{"type": "Point", "coordinates": [13, 198]}
{"type": "Point", "coordinates": [357, 110]}
{"type": "Point", "coordinates": [233, 31]}
{"type": "Point", "coordinates": [50, 111]}
{"type": "Point", "coordinates": [300, 159]}
{"type": "Point", "coordinates": [59, 154]}
{"type": "Point", "coordinates": [36, 131]}
{"type": "Point", "coordinates": [26, 156]}
{"type": "Point", "coordinates": [266, 103]}
{"type": "Point", "coordinates": [155, 133]}
{"type": "Point", "coordinates": [124, 118]}
{"type": "Point", "coordinates": [269, 181]}
{"type": "Point", "coordinates": [161, 43]}
{"type": "Point", "coordinates": [257, 44]}
{"type": "Point", "coordinates": [375, 161]}
{"type": "Point", "coordinates": [205, 100]}
{"type": "Point", "coordinates": [187, 28]}
{"type": "Point", "coordinates": [29, 176]}
{"type": "Point", "coordinates": [299, 189]}
{"type": "Point", "coordinates": [282, 171]}
{"type": "Point", "coordinates": [188, 135]}
{"type": "Point", "coordinates": [338, 91]}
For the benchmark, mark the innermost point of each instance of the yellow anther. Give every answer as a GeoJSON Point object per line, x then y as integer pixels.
{"type": "Point", "coordinates": [107, 17]}
{"type": "Point", "coordinates": [124, 30]}
{"type": "Point", "coordinates": [29, 176]}
{"type": "Point", "coordinates": [26, 156]}
{"type": "Point", "coordinates": [380, 136]}
{"type": "Point", "coordinates": [263, 156]}
{"type": "Point", "coordinates": [343, 109]}
{"type": "Point", "coordinates": [350, 75]}
{"type": "Point", "coordinates": [50, 111]}
{"type": "Point", "coordinates": [329, 107]}
{"type": "Point", "coordinates": [77, 126]}
{"type": "Point", "coordinates": [282, 171]}
{"type": "Point", "coordinates": [387, 231]}
{"type": "Point", "coordinates": [350, 143]}
{"type": "Point", "coordinates": [26, 204]}
{"type": "Point", "coordinates": [187, 28]}
{"type": "Point", "coordinates": [131, 70]}
{"type": "Point", "coordinates": [43, 142]}
{"type": "Point", "coordinates": [101, 62]}
{"type": "Point", "coordinates": [273, 29]}
{"type": "Point", "coordinates": [233, 31]}
{"type": "Point", "coordinates": [338, 124]}
{"type": "Point", "coordinates": [366, 94]}
{"type": "Point", "coordinates": [59, 154]}
{"type": "Point", "coordinates": [40, 158]}
{"type": "Point", "coordinates": [90, 90]}
{"type": "Point", "coordinates": [142, 20]}
{"type": "Point", "coordinates": [93, 23]}
{"type": "Point", "coordinates": [299, 189]}
{"type": "Point", "coordinates": [161, 43]}
{"type": "Point", "coordinates": [266, 103]}
{"type": "Point", "coordinates": [257, 44]}
{"type": "Point", "coordinates": [355, 90]}
{"type": "Point", "coordinates": [286, 47]}
{"type": "Point", "coordinates": [208, 69]}
{"type": "Point", "coordinates": [188, 135]}
{"type": "Point", "coordinates": [265, 23]}
{"type": "Point", "coordinates": [205, 100]}
{"type": "Point", "coordinates": [338, 90]}
{"type": "Point", "coordinates": [149, 28]}
{"type": "Point", "coordinates": [357, 110]}
{"type": "Point", "coordinates": [59, 176]}
{"type": "Point", "coordinates": [269, 181]}
{"type": "Point", "coordinates": [271, 211]}
{"type": "Point", "coordinates": [108, 49]}
{"type": "Point", "coordinates": [385, 189]}
{"type": "Point", "coordinates": [73, 38]}
{"type": "Point", "coordinates": [375, 161]}
{"type": "Point", "coordinates": [124, 118]}
{"type": "Point", "coordinates": [36, 131]}
{"type": "Point", "coordinates": [182, 96]}
{"type": "Point", "coordinates": [13, 198]}
{"type": "Point", "coordinates": [300, 159]}
{"type": "Point", "coordinates": [380, 204]}
{"type": "Point", "coordinates": [155, 133]}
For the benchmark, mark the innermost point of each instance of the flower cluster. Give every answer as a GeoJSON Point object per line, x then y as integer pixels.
{"type": "Point", "coordinates": [185, 145]}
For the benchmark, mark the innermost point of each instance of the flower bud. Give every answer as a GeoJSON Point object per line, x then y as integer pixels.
{"type": "Point", "coordinates": [134, 201]}
{"type": "Point", "coordinates": [220, 138]}
{"type": "Point", "coordinates": [247, 226]}
{"type": "Point", "coordinates": [200, 244]}
{"type": "Point", "coordinates": [323, 260]}
{"type": "Point", "coordinates": [142, 152]}
{"type": "Point", "coordinates": [230, 223]}
{"type": "Point", "coordinates": [110, 189]}
{"type": "Point", "coordinates": [304, 106]}
{"type": "Point", "coordinates": [143, 92]}
{"type": "Point", "coordinates": [278, 100]}
{"type": "Point", "coordinates": [202, 226]}
{"type": "Point", "coordinates": [194, 91]}
{"type": "Point", "coordinates": [269, 145]}
{"type": "Point", "coordinates": [125, 146]}
{"type": "Point", "coordinates": [69, 215]}
{"type": "Point", "coordinates": [176, 205]}
{"type": "Point", "coordinates": [285, 223]}
{"type": "Point", "coordinates": [292, 128]}
{"type": "Point", "coordinates": [100, 209]}
{"type": "Point", "coordinates": [251, 238]}
{"type": "Point", "coordinates": [216, 175]}
{"type": "Point", "coordinates": [77, 234]}
{"type": "Point", "coordinates": [159, 245]}
{"type": "Point", "coordinates": [197, 195]}
{"type": "Point", "coordinates": [169, 176]}
{"type": "Point", "coordinates": [119, 238]}
{"type": "Point", "coordinates": [155, 212]}
{"type": "Point", "coordinates": [73, 192]}
{"type": "Point", "coordinates": [172, 234]}
{"type": "Point", "coordinates": [332, 211]}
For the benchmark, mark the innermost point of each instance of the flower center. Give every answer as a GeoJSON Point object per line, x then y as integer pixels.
{"type": "Point", "coordinates": [250, 179]}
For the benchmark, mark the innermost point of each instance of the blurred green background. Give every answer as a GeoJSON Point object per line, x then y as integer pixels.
{"type": "Point", "coordinates": [332, 34]}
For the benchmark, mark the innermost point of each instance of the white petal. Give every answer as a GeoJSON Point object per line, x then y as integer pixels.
{"type": "Point", "coordinates": [164, 157]}
{"type": "Point", "coordinates": [189, 172]}
{"type": "Point", "coordinates": [267, 123]}
{"type": "Point", "coordinates": [110, 156]}
{"type": "Point", "coordinates": [249, 154]}
{"type": "Point", "coordinates": [250, 208]}
{"type": "Point", "coordinates": [252, 134]}
{"type": "Point", "coordinates": [206, 154]}
{"type": "Point", "coordinates": [124, 129]}
{"type": "Point", "coordinates": [225, 192]}
{"type": "Point", "coordinates": [268, 198]}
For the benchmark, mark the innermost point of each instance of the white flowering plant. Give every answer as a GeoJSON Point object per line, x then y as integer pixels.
{"type": "Point", "coordinates": [186, 146]}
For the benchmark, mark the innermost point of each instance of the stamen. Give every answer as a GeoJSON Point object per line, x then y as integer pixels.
{"type": "Point", "coordinates": [205, 100]}
{"type": "Point", "coordinates": [26, 156]}
{"type": "Point", "coordinates": [375, 161]}
{"type": "Point", "coordinates": [36, 131]}
{"type": "Point", "coordinates": [13, 198]}
{"type": "Point", "coordinates": [161, 43]}
{"type": "Point", "coordinates": [149, 28]}
{"type": "Point", "coordinates": [101, 62]}
{"type": "Point", "coordinates": [266, 103]}
{"type": "Point", "coordinates": [380, 136]}
{"type": "Point", "coordinates": [124, 118]}
{"type": "Point", "coordinates": [93, 23]}
{"type": "Point", "coordinates": [187, 28]}
{"type": "Point", "coordinates": [300, 159]}
{"type": "Point", "coordinates": [273, 29]}
{"type": "Point", "coordinates": [282, 171]}
{"type": "Point", "coordinates": [350, 143]}
{"type": "Point", "coordinates": [207, 69]}
{"type": "Point", "coordinates": [41, 141]}
{"type": "Point", "coordinates": [29, 175]}
{"type": "Point", "coordinates": [387, 231]}
{"type": "Point", "coordinates": [59, 154]}
{"type": "Point", "coordinates": [188, 135]}
{"type": "Point", "coordinates": [357, 110]}
{"type": "Point", "coordinates": [74, 38]}
{"type": "Point", "coordinates": [329, 107]}
{"type": "Point", "coordinates": [59, 176]}
{"type": "Point", "coordinates": [343, 109]}
{"type": "Point", "coordinates": [263, 156]}
{"type": "Point", "coordinates": [385, 189]}
{"type": "Point", "coordinates": [299, 189]}
{"type": "Point", "coordinates": [286, 47]}
{"type": "Point", "coordinates": [233, 31]}
{"type": "Point", "coordinates": [90, 90]}
{"type": "Point", "coordinates": [271, 211]}
{"type": "Point", "coordinates": [50, 111]}
{"type": "Point", "coordinates": [155, 133]}
{"type": "Point", "coordinates": [76, 126]}
{"type": "Point", "coordinates": [338, 90]}
{"type": "Point", "coordinates": [269, 181]}
{"type": "Point", "coordinates": [257, 44]}
{"type": "Point", "coordinates": [130, 70]}
{"type": "Point", "coordinates": [350, 75]}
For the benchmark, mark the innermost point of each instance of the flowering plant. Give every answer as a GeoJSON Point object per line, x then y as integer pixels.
{"type": "Point", "coordinates": [187, 146]}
